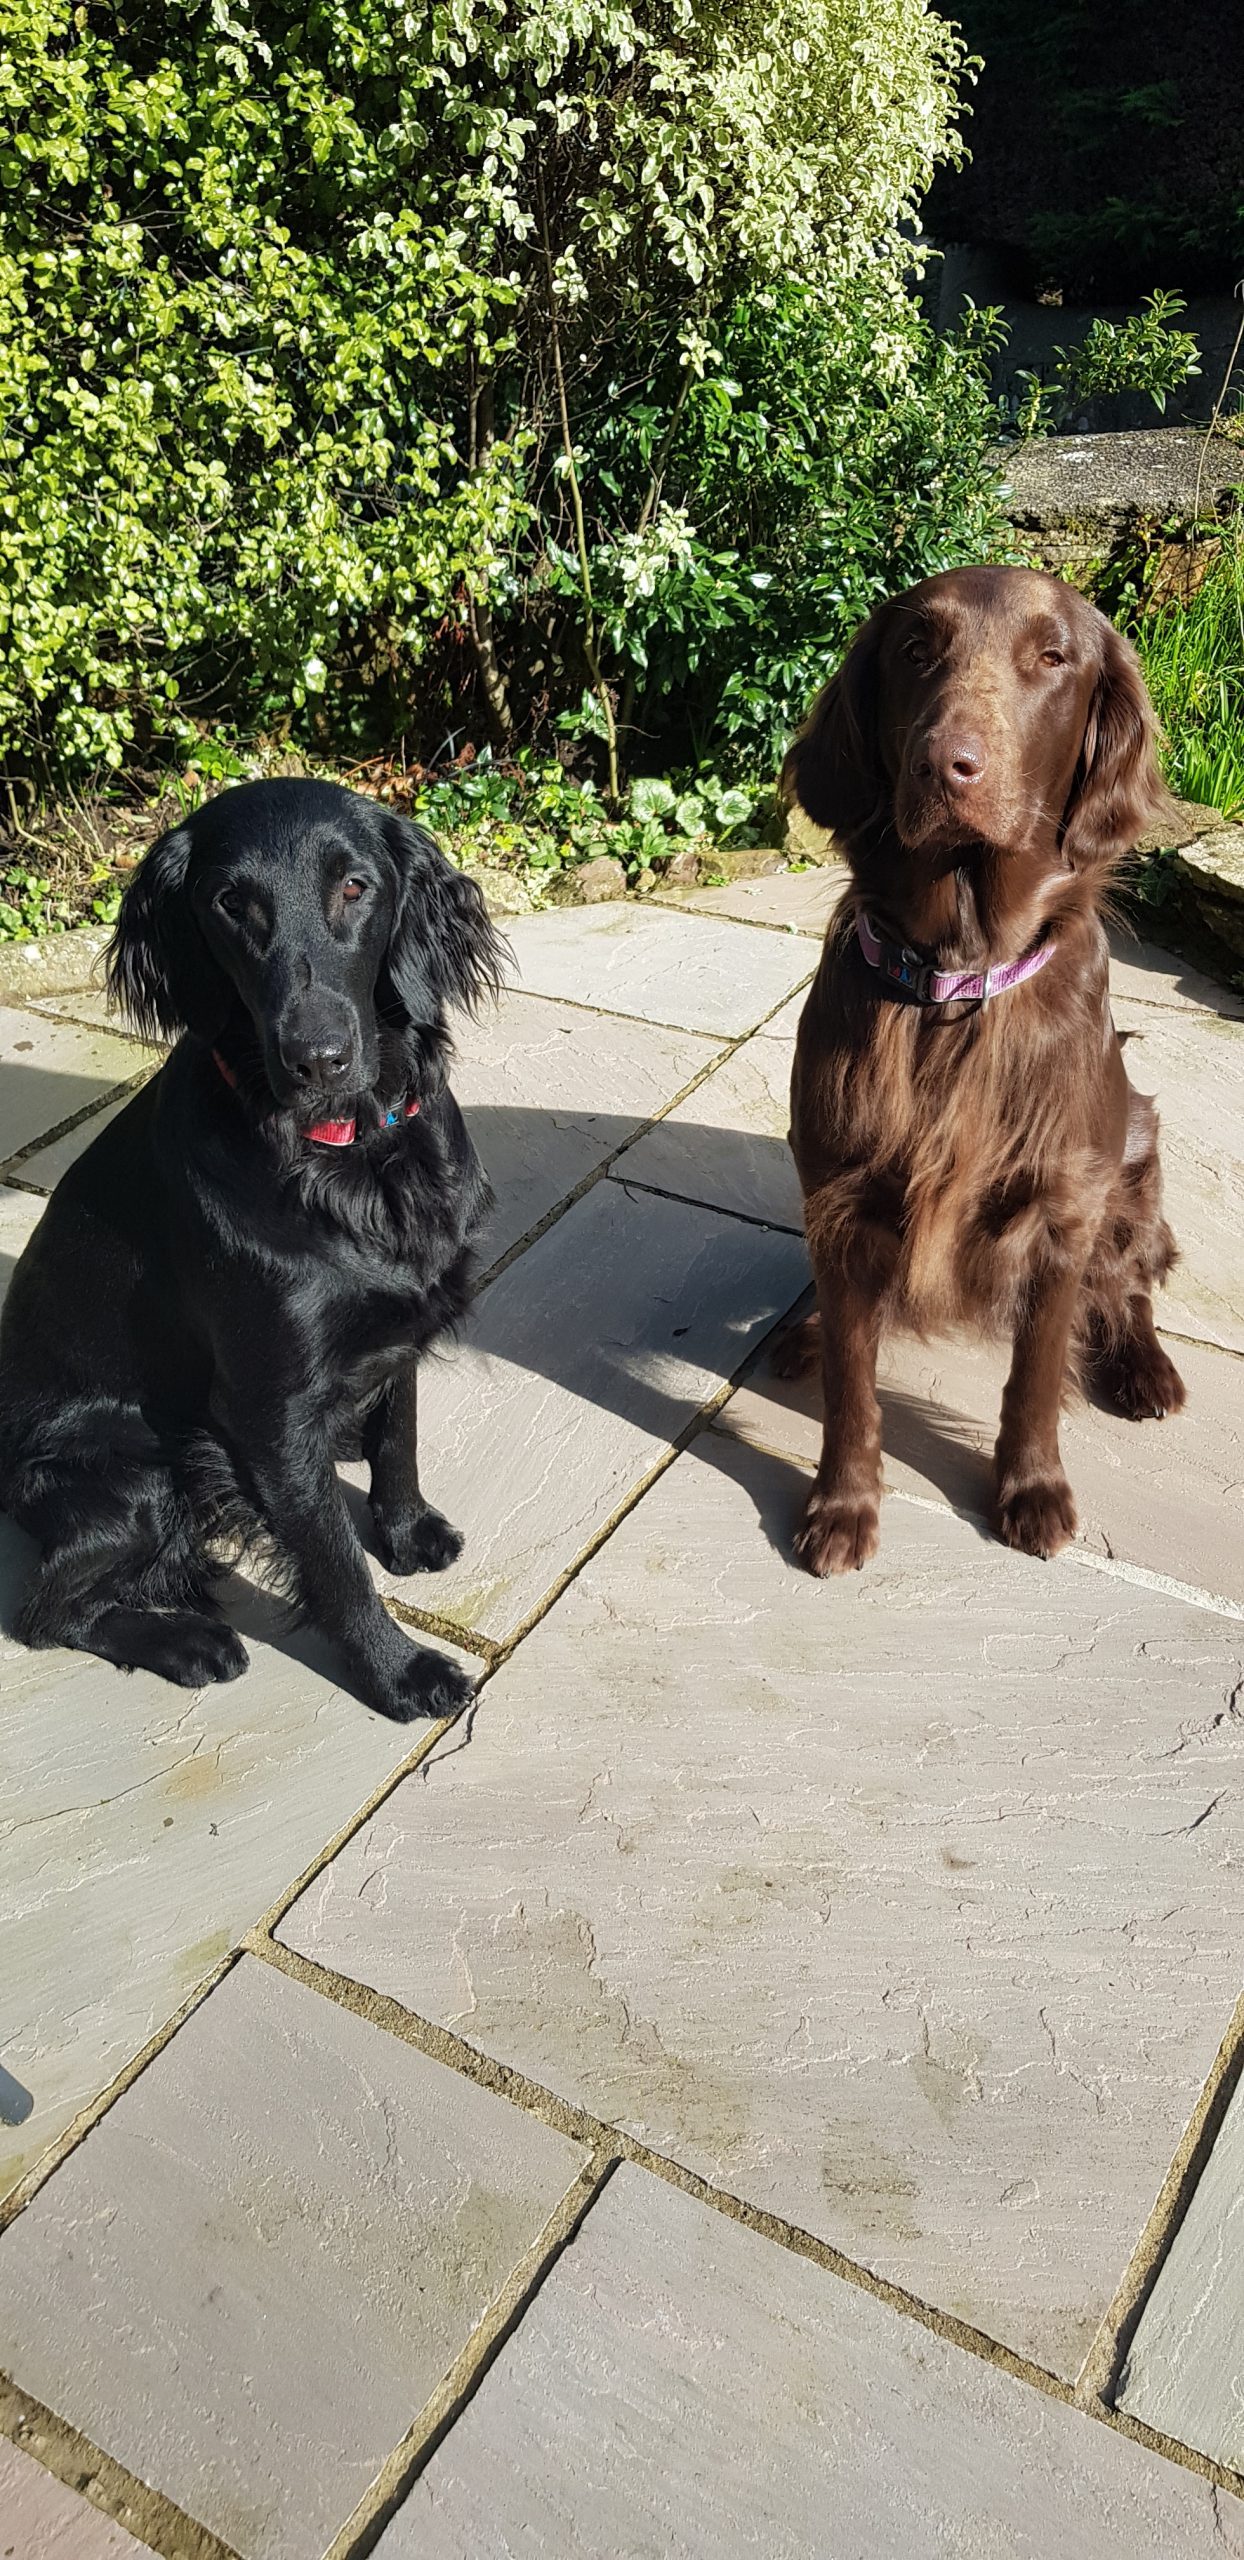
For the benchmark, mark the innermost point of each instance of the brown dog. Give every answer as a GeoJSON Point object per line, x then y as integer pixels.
{"type": "Point", "coordinates": [971, 1149]}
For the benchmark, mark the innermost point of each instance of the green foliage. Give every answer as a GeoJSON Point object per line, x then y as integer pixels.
{"type": "Point", "coordinates": [1193, 657]}
{"type": "Point", "coordinates": [530, 816]}
{"type": "Point", "coordinates": [833, 451]}
{"type": "Point", "coordinates": [287, 299]}
{"type": "Point", "coordinates": [1145, 353]}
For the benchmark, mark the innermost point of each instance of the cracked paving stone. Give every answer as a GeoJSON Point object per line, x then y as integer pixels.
{"type": "Point", "coordinates": [252, 2275]}
{"type": "Point", "coordinates": [578, 1367]}
{"type": "Point", "coordinates": [40, 2519]}
{"type": "Point", "coordinates": [682, 2389]}
{"type": "Point", "coordinates": [907, 1907]}
{"type": "Point", "coordinates": [705, 974]}
{"type": "Point", "coordinates": [141, 1832]}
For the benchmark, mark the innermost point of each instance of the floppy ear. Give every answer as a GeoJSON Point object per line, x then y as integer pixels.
{"type": "Point", "coordinates": [1118, 789]}
{"type": "Point", "coordinates": [834, 769]}
{"type": "Point", "coordinates": [160, 970]}
{"type": "Point", "coordinates": [443, 950]}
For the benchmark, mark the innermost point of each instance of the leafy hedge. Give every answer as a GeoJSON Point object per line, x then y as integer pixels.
{"type": "Point", "coordinates": [372, 368]}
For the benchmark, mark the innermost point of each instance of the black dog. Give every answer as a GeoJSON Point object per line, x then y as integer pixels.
{"type": "Point", "coordinates": [234, 1284]}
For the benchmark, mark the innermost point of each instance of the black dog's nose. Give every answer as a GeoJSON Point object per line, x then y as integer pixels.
{"type": "Point", "coordinates": [315, 1058]}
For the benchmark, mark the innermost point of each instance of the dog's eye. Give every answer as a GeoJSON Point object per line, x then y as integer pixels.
{"type": "Point", "coordinates": [920, 653]}
{"type": "Point", "coordinates": [352, 891]}
{"type": "Point", "coordinates": [234, 903]}
{"type": "Point", "coordinates": [1053, 658]}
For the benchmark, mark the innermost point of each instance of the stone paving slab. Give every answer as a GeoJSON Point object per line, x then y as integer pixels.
{"type": "Point", "coordinates": [1146, 974]}
{"type": "Point", "coordinates": [86, 1004]}
{"type": "Point", "coordinates": [701, 973]}
{"type": "Point", "coordinates": [799, 901]}
{"type": "Point", "coordinates": [142, 1830]}
{"type": "Point", "coordinates": [40, 2519]}
{"type": "Point", "coordinates": [579, 1366]}
{"type": "Point", "coordinates": [1165, 1495]}
{"type": "Point", "coordinates": [1194, 1065]}
{"type": "Point", "coordinates": [1185, 2369]}
{"type": "Point", "coordinates": [44, 1168]}
{"type": "Point", "coordinates": [549, 1091]}
{"type": "Point", "coordinates": [20, 1213]}
{"type": "Point", "coordinates": [682, 2390]}
{"type": "Point", "coordinates": [250, 2277]}
{"type": "Point", "coordinates": [727, 1143]}
{"type": "Point", "coordinates": [49, 1070]}
{"type": "Point", "coordinates": [908, 1907]}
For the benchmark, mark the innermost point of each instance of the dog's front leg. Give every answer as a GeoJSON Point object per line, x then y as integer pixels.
{"type": "Point", "coordinates": [840, 1528]}
{"type": "Point", "coordinates": [412, 1537]}
{"type": "Point", "coordinates": [1036, 1509]}
{"type": "Point", "coordinates": [284, 1458]}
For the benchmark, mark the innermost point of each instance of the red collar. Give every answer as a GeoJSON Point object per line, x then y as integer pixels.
{"type": "Point", "coordinates": [329, 1133]}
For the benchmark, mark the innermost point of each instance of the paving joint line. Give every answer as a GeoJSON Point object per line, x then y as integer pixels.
{"type": "Point", "coordinates": [393, 2483]}
{"type": "Point", "coordinates": [74, 1120]}
{"type": "Point", "coordinates": [689, 1200]}
{"type": "Point", "coordinates": [106, 2485]}
{"type": "Point", "coordinates": [1103, 2365]}
{"type": "Point", "coordinates": [728, 1048]}
{"type": "Point", "coordinates": [673, 906]}
{"type": "Point", "coordinates": [562, 2115]}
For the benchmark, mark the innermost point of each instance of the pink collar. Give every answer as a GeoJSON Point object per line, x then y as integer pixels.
{"type": "Point", "coordinates": [328, 1133]}
{"type": "Point", "coordinates": [906, 975]}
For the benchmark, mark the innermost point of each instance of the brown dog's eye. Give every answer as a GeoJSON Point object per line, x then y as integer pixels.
{"type": "Point", "coordinates": [1053, 658]}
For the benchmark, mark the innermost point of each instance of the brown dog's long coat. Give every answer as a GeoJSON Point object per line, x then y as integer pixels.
{"type": "Point", "coordinates": [985, 755]}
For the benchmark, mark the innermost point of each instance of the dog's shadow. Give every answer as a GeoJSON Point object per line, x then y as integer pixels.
{"type": "Point", "coordinates": [546, 1310]}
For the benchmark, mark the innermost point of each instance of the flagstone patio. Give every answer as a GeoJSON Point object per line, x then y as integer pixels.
{"type": "Point", "coordinates": [766, 2080]}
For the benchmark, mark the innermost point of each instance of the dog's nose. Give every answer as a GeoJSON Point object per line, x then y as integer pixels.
{"type": "Point", "coordinates": [315, 1058]}
{"type": "Point", "coordinates": [957, 763]}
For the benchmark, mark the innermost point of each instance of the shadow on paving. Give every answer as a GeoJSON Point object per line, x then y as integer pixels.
{"type": "Point", "coordinates": [580, 1355]}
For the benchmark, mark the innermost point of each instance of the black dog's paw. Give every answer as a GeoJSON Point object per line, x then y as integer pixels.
{"type": "Point", "coordinates": [193, 1651]}
{"type": "Point", "coordinates": [422, 1542]}
{"type": "Point", "coordinates": [427, 1684]}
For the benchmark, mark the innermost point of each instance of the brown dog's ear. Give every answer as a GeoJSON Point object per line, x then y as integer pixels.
{"type": "Point", "coordinates": [1118, 789]}
{"type": "Point", "coordinates": [834, 769]}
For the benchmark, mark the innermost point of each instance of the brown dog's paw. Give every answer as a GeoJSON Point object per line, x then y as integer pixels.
{"type": "Point", "coordinates": [798, 1352]}
{"type": "Point", "coordinates": [1142, 1383]}
{"type": "Point", "coordinates": [1038, 1518]}
{"type": "Point", "coordinates": [837, 1536]}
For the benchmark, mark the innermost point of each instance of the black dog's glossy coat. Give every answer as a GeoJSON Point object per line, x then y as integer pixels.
{"type": "Point", "coordinates": [215, 1306]}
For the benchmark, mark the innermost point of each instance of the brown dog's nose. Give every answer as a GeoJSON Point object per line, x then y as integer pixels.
{"type": "Point", "coordinates": [956, 763]}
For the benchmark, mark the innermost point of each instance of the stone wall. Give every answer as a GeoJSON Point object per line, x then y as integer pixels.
{"type": "Point", "coordinates": [1078, 502]}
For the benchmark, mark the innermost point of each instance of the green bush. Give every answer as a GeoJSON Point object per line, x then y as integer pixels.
{"type": "Point", "coordinates": [1193, 657]}
{"type": "Point", "coordinates": [318, 324]}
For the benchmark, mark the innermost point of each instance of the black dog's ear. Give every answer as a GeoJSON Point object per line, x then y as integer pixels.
{"type": "Point", "coordinates": [444, 949]}
{"type": "Point", "coordinates": [834, 769]}
{"type": "Point", "coordinates": [160, 971]}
